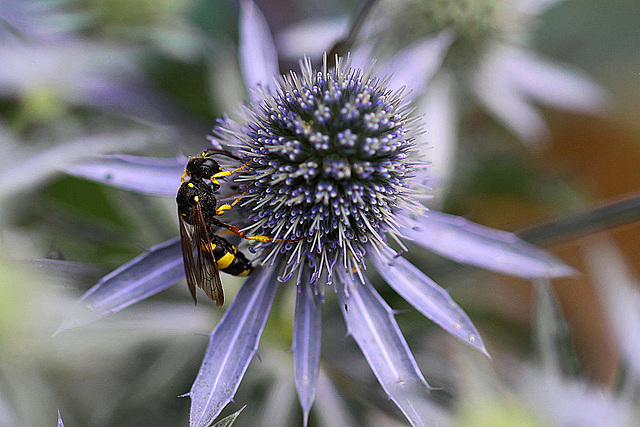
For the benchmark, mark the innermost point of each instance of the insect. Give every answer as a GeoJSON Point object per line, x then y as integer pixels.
{"type": "Point", "coordinates": [205, 253]}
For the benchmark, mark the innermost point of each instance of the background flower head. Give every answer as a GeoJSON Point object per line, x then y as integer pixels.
{"type": "Point", "coordinates": [461, 60]}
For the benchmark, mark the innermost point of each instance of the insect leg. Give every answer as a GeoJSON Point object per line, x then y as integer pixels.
{"type": "Point", "coordinates": [227, 173]}
{"type": "Point", "coordinates": [235, 230]}
{"type": "Point", "coordinates": [223, 208]}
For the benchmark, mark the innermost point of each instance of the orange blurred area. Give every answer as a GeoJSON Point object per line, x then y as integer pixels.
{"type": "Point", "coordinates": [603, 158]}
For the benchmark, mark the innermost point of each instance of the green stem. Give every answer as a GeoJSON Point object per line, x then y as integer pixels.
{"type": "Point", "coordinates": [585, 222]}
{"type": "Point", "coordinates": [345, 44]}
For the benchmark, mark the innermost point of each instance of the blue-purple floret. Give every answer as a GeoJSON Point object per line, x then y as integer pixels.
{"type": "Point", "coordinates": [331, 154]}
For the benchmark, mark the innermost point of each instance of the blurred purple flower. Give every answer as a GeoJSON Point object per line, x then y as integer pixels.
{"type": "Point", "coordinates": [335, 164]}
{"type": "Point", "coordinates": [486, 54]}
{"type": "Point", "coordinates": [565, 401]}
{"type": "Point", "coordinates": [44, 55]}
{"type": "Point", "coordinates": [48, 70]}
{"type": "Point", "coordinates": [80, 72]}
{"type": "Point", "coordinates": [449, 52]}
{"type": "Point", "coordinates": [618, 290]}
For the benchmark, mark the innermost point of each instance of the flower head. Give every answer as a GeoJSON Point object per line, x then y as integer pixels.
{"type": "Point", "coordinates": [489, 59]}
{"type": "Point", "coordinates": [454, 52]}
{"type": "Point", "coordinates": [476, 23]}
{"type": "Point", "coordinates": [331, 160]}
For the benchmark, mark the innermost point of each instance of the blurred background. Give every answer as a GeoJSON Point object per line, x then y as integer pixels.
{"type": "Point", "coordinates": [80, 78]}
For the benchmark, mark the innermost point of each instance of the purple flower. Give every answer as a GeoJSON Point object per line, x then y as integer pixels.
{"type": "Point", "coordinates": [48, 72]}
{"type": "Point", "coordinates": [457, 53]}
{"type": "Point", "coordinates": [333, 167]}
{"type": "Point", "coordinates": [484, 52]}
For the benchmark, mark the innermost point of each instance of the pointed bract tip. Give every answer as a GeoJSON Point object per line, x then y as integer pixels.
{"type": "Point", "coordinates": [78, 317]}
{"type": "Point", "coordinates": [486, 353]}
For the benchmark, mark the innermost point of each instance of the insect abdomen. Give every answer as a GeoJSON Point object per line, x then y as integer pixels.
{"type": "Point", "coordinates": [229, 259]}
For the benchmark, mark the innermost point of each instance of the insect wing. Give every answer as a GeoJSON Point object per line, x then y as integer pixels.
{"type": "Point", "coordinates": [208, 276]}
{"type": "Point", "coordinates": [189, 261]}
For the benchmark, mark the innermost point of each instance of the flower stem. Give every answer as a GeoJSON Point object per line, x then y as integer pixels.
{"type": "Point", "coordinates": [584, 222]}
{"type": "Point", "coordinates": [345, 44]}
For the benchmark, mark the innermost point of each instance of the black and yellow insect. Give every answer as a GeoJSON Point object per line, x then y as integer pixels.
{"type": "Point", "coordinates": [205, 253]}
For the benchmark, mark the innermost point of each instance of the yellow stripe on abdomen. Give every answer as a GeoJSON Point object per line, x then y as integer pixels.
{"type": "Point", "coordinates": [225, 261]}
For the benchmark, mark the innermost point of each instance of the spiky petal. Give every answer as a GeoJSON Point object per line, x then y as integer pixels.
{"type": "Point", "coordinates": [232, 345]}
{"type": "Point", "coordinates": [371, 323]}
{"type": "Point", "coordinates": [146, 275]}
{"type": "Point", "coordinates": [306, 344]}
{"type": "Point", "coordinates": [428, 298]}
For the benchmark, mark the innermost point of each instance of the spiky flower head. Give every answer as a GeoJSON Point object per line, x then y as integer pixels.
{"type": "Point", "coordinates": [332, 157]}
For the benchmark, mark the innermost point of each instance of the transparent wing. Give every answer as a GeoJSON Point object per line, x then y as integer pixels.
{"type": "Point", "coordinates": [188, 258]}
{"type": "Point", "coordinates": [208, 276]}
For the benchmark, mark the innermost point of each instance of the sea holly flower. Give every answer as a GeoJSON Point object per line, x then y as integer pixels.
{"type": "Point", "coordinates": [480, 54]}
{"type": "Point", "coordinates": [488, 57]}
{"type": "Point", "coordinates": [332, 167]}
